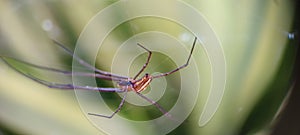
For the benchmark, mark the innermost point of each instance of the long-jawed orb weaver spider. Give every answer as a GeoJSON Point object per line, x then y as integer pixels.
{"type": "Point", "coordinates": [124, 83]}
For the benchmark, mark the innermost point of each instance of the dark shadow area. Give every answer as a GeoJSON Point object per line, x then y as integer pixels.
{"type": "Point", "coordinates": [289, 120]}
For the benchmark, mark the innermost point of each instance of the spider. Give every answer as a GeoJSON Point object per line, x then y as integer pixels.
{"type": "Point", "coordinates": [125, 84]}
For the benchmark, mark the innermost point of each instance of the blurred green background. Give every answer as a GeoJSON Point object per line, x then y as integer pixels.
{"type": "Point", "coordinates": [254, 34]}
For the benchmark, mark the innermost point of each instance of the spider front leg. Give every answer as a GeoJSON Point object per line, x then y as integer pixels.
{"type": "Point", "coordinates": [69, 73]}
{"type": "Point", "coordinates": [59, 85]}
{"type": "Point", "coordinates": [85, 64]}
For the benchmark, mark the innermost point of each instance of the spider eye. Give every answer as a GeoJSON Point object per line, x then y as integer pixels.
{"type": "Point", "coordinates": [146, 74]}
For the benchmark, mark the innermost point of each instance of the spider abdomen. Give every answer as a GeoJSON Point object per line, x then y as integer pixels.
{"type": "Point", "coordinates": [141, 84]}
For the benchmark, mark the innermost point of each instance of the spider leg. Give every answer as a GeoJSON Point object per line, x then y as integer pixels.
{"type": "Point", "coordinates": [71, 86]}
{"type": "Point", "coordinates": [62, 86]}
{"type": "Point", "coordinates": [181, 67]}
{"type": "Point", "coordinates": [156, 104]}
{"type": "Point", "coordinates": [116, 111]}
{"type": "Point", "coordinates": [82, 62]}
{"type": "Point", "coordinates": [147, 62]}
{"type": "Point", "coordinates": [61, 71]}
